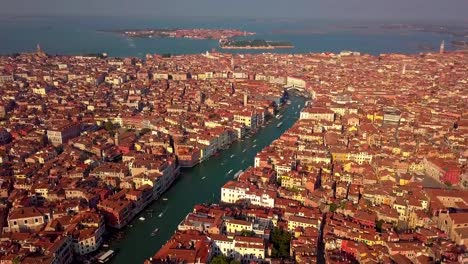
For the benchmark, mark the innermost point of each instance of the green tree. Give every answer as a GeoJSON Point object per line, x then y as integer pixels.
{"type": "Point", "coordinates": [247, 233]}
{"type": "Point", "coordinates": [16, 260]}
{"type": "Point", "coordinates": [378, 225]}
{"type": "Point", "coordinates": [333, 207]}
{"type": "Point", "coordinates": [220, 259]}
{"type": "Point", "coordinates": [108, 126]}
{"type": "Point", "coordinates": [280, 240]}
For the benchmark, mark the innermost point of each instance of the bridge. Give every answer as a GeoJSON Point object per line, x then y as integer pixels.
{"type": "Point", "coordinates": [301, 90]}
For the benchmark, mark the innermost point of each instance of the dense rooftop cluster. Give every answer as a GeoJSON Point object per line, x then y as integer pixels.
{"type": "Point", "coordinates": [374, 170]}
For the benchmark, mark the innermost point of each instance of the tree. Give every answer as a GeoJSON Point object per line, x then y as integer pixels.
{"type": "Point", "coordinates": [108, 126]}
{"type": "Point", "coordinates": [378, 225]}
{"type": "Point", "coordinates": [333, 207]}
{"type": "Point", "coordinates": [247, 233]}
{"type": "Point", "coordinates": [280, 240]}
{"type": "Point", "coordinates": [16, 260]}
{"type": "Point", "coordinates": [220, 259]}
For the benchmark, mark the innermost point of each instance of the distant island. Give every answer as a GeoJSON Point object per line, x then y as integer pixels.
{"type": "Point", "coordinates": [460, 43]}
{"type": "Point", "coordinates": [254, 44]}
{"type": "Point", "coordinates": [194, 33]}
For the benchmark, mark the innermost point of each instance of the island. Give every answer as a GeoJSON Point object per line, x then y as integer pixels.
{"type": "Point", "coordinates": [194, 33]}
{"type": "Point", "coordinates": [254, 44]}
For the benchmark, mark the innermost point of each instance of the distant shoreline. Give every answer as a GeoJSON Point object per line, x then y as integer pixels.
{"type": "Point", "coordinates": [257, 47]}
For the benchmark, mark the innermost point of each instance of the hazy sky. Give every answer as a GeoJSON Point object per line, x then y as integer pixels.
{"type": "Point", "coordinates": [357, 9]}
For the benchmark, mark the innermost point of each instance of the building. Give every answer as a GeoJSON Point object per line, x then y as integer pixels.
{"type": "Point", "coordinates": [27, 219]}
{"type": "Point", "coordinates": [60, 133]}
{"type": "Point", "coordinates": [185, 247]}
{"type": "Point", "coordinates": [317, 113]}
{"type": "Point", "coordinates": [233, 192]}
{"type": "Point", "coordinates": [87, 229]}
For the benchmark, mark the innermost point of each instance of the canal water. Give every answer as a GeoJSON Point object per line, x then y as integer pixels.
{"type": "Point", "coordinates": [201, 184]}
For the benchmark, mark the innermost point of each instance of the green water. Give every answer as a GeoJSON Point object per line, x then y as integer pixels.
{"type": "Point", "coordinates": [191, 188]}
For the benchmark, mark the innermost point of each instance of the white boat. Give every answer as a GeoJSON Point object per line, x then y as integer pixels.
{"type": "Point", "coordinates": [155, 231]}
{"type": "Point", "coordinates": [255, 140]}
{"type": "Point", "coordinates": [279, 124]}
{"type": "Point", "coordinates": [203, 178]}
{"type": "Point", "coordinates": [254, 146]}
{"type": "Point", "coordinates": [165, 199]}
{"type": "Point", "coordinates": [244, 150]}
{"type": "Point", "coordinates": [142, 218]}
{"type": "Point", "coordinates": [162, 213]}
{"type": "Point", "coordinates": [106, 256]}
{"type": "Point", "coordinates": [237, 174]}
{"type": "Point", "coordinates": [229, 172]}
{"type": "Point", "coordinates": [232, 156]}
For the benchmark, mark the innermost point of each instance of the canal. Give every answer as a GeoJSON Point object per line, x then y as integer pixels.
{"type": "Point", "coordinates": [201, 184]}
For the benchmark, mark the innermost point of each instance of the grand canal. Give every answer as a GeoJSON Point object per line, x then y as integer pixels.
{"type": "Point", "coordinates": [200, 184]}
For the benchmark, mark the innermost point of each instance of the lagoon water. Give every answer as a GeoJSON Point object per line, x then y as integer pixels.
{"type": "Point", "coordinates": [80, 35]}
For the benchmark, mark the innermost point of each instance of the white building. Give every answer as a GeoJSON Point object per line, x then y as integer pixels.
{"type": "Point", "coordinates": [233, 191]}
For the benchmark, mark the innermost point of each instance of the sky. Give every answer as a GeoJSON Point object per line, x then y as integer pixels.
{"type": "Point", "coordinates": [334, 9]}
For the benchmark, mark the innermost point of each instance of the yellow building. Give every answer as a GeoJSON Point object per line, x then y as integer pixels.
{"type": "Point", "coordinates": [304, 222]}
{"type": "Point", "coordinates": [237, 226]}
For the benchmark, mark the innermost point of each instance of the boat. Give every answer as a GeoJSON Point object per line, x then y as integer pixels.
{"type": "Point", "coordinates": [237, 174]}
{"type": "Point", "coordinates": [105, 256]}
{"type": "Point", "coordinates": [141, 218]}
{"type": "Point", "coordinates": [279, 124]}
{"type": "Point", "coordinates": [281, 116]}
{"type": "Point", "coordinates": [277, 116]}
{"type": "Point", "coordinates": [254, 141]}
{"type": "Point", "coordinates": [229, 172]}
{"type": "Point", "coordinates": [254, 146]}
{"type": "Point", "coordinates": [155, 231]}
{"type": "Point", "coordinates": [203, 178]}
{"type": "Point", "coordinates": [165, 199]}
{"type": "Point", "coordinates": [162, 213]}
{"type": "Point", "coordinates": [244, 150]}
{"type": "Point", "coordinates": [232, 156]}
{"type": "Point", "coordinates": [105, 245]}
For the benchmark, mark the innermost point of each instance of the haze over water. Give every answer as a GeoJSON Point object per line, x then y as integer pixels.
{"type": "Point", "coordinates": [85, 34]}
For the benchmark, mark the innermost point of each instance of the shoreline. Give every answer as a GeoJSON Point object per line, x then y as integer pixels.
{"type": "Point", "coordinates": [256, 48]}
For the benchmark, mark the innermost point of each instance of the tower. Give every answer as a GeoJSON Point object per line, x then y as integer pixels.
{"type": "Point", "coordinates": [39, 51]}
{"type": "Point", "coordinates": [233, 88]}
{"type": "Point", "coordinates": [116, 138]}
{"type": "Point", "coordinates": [246, 99]}
{"type": "Point", "coordinates": [442, 47]}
